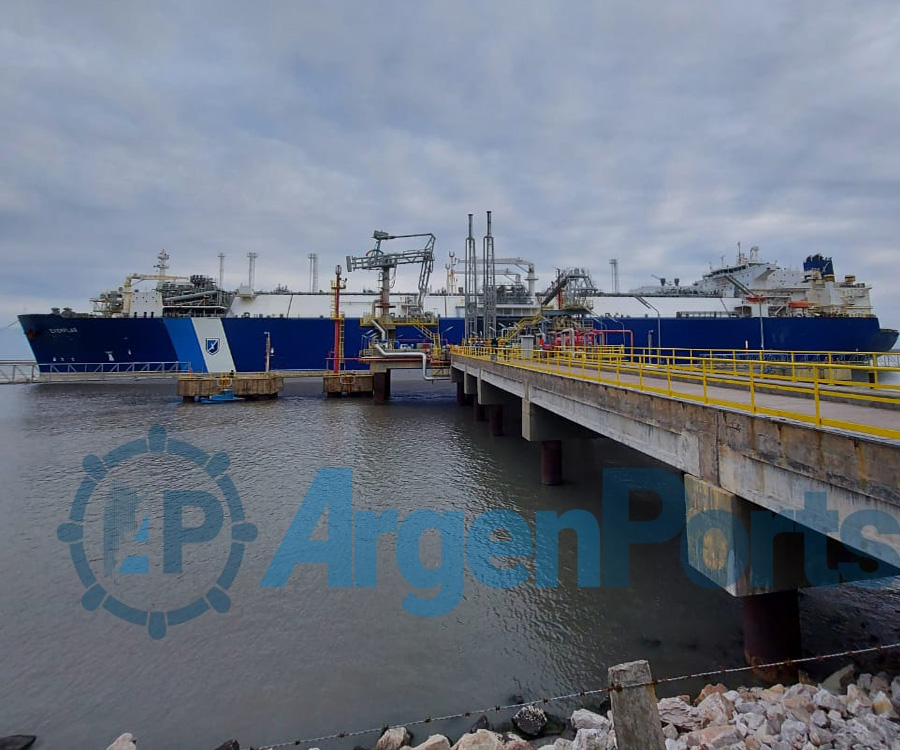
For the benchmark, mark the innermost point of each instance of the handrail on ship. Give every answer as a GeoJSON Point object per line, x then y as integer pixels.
{"type": "Point", "coordinates": [112, 367]}
{"type": "Point", "coordinates": [821, 376]}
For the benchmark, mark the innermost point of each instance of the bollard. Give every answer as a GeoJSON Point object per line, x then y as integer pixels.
{"type": "Point", "coordinates": [635, 713]}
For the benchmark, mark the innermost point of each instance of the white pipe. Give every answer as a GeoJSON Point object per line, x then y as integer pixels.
{"type": "Point", "coordinates": [384, 353]}
{"type": "Point", "coordinates": [380, 329]}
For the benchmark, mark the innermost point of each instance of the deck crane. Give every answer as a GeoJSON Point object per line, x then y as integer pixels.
{"type": "Point", "coordinates": [119, 301]}
{"type": "Point", "coordinates": [523, 264]}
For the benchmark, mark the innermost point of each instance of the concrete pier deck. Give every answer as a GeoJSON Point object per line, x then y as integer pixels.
{"type": "Point", "coordinates": [742, 451]}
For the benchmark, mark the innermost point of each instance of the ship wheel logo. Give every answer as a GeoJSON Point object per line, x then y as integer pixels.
{"type": "Point", "coordinates": [150, 525]}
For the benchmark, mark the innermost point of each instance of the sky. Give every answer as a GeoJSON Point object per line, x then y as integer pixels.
{"type": "Point", "coordinates": [660, 133]}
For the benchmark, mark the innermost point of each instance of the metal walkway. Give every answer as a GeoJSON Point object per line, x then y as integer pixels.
{"type": "Point", "coordinates": [28, 371]}
{"type": "Point", "coordinates": [18, 371]}
{"type": "Point", "coordinates": [846, 391]}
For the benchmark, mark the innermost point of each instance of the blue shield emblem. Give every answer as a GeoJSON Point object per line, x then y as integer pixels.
{"type": "Point", "coordinates": [212, 346]}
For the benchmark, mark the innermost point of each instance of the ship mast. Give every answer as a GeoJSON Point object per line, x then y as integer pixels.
{"type": "Point", "coordinates": [162, 265]}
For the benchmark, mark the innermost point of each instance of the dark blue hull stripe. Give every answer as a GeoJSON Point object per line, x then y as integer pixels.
{"type": "Point", "coordinates": [184, 339]}
{"type": "Point", "coordinates": [306, 343]}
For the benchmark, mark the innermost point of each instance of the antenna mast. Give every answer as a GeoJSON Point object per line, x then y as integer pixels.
{"type": "Point", "coordinates": [451, 273]}
{"type": "Point", "coordinates": [162, 262]}
{"type": "Point", "coordinates": [162, 265]}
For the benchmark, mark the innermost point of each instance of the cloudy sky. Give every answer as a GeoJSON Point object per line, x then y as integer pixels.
{"type": "Point", "coordinates": [661, 133]}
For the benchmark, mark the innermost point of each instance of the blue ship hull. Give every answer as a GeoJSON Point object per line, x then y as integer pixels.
{"type": "Point", "coordinates": [225, 344]}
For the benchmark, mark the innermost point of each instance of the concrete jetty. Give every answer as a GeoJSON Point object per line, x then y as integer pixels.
{"type": "Point", "coordinates": [741, 452]}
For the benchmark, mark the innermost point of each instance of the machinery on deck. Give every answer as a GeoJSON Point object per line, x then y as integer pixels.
{"type": "Point", "coordinates": [386, 265]}
{"type": "Point", "coordinates": [572, 290]}
{"type": "Point", "coordinates": [384, 348]}
{"type": "Point", "coordinates": [156, 317]}
{"type": "Point", "coordinates": [565, 316]}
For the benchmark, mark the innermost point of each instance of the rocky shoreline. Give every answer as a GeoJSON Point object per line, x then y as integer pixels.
{"type": "Point", "coordinates": [863, 715]}
{"type": "Point", "coordinates": [840, 713]}
{"type": "Point", "coordinates": [837, 714]}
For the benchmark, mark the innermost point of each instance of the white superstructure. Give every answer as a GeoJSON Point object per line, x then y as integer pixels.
{"type": "Point", "coordinates": [765, 288]}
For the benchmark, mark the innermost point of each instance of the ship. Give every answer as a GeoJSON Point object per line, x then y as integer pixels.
{"type": "Point", "coordinates": [193, 323]}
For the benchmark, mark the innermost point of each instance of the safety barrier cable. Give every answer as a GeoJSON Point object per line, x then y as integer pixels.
{"type": "Point", "coordinates": [581, 694]}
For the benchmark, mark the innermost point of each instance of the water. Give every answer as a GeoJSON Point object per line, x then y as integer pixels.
{"type": "Point", "coordinates": [307, 659]}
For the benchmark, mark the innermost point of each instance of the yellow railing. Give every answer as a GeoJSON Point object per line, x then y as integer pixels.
{"type": "Point", "coordinates": [524, 323]}
{"type": "Point", "coordinates": [391, 321]}
{"type": "Point", "coordinates": [708, 375]}
{"type": "Point", "coordinates": [431, 333]}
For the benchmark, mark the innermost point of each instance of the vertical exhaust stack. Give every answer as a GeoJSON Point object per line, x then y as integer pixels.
{"type": "Point", "coordinates": [531, 278]}
{"type": "Point", "coordinates": [471, 285]}
{"type": "Point", "coordinates": [313, 272]}
{"type": "Point", "coordinates": [221, 270]}
{"type": "Point", "coordinates": [490, 284]}
{"type": "Point", "coordinates": [251, 274]}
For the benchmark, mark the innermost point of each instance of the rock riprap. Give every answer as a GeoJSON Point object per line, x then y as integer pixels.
{"type": "Point", "coordinates": [837, 714]}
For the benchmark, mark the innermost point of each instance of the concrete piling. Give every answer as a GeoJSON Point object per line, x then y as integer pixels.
{"type": "Point", "coordinates": [381, 388]}
{"type": "Point", "coordinates": [495, 419]}
{"type": "Point", "coordinates": [551, 462]}
{"type": "Point", "coordinates": [772, 633]}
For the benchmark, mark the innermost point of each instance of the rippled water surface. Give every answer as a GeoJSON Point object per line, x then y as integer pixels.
{"type": "Point", "coordinates": [308, 659]}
